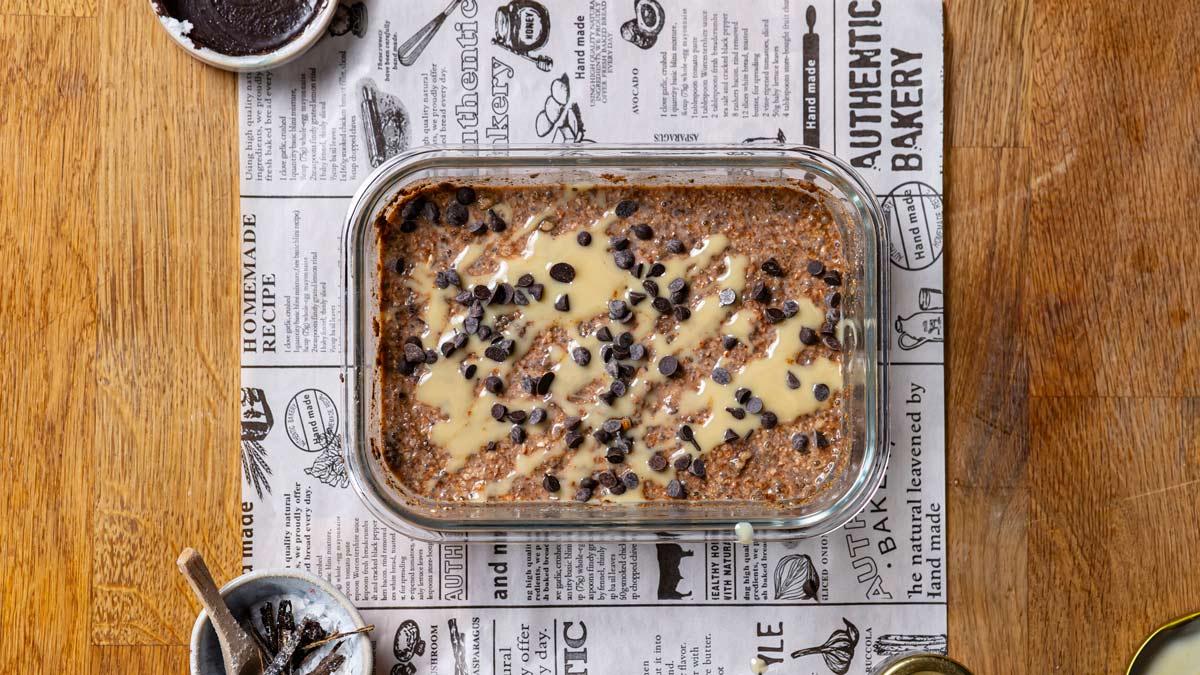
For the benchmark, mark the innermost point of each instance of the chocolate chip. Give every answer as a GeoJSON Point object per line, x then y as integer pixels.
{"type": "Point", "coordinates": [481, 292]}
{"type": "Point", "coordinates": [657, 270]}
{"type": "Point", "coordinates": [618, 489]}
{"type": "Point", "coordinates": [529, 384]}
{"type": "Point", "coordinates": [401, 266]}
{"type": "Point", "coordinates": [820, 391]}
{"type": "Point", "coordinates": [517, 434]}
{"type": "Point", "coordinates": [791, 308]}
{"type": "Point", "coordinates": [562, 272]}
{"type": "Point", "coordinates": [431, 213]}
{"type": "Point", "coordinates": [677, 285]}
{"type": "Point", "coordinates": [413, 353]}
{"type": "Point", "coordinates": [457, 214]}
{"type": "Point", "coordinates": [815, 268]}
{"type": "Point", "coordinates": [544, 382]}
{"type": "Point", "coordinates": [491, 446]}
{"type": "Point", "coordinates": [405, 367]}
{"type": "Point", "coordinates": [608, 478]}
{"type": "Point", "coordinates": [550, 483]}
{"type": "Point", "coordinates": [742, 395]}
{"type": "Point", "coordinates": [563, 303]}
{"type": "Point", "coordinates": [833, 315]}
{"type": "Point", "coordinates": [833, 299]}
{"type": "Point", "coordinates": [832, 343]}
{"type": "Point", "coordinates": [494, 222]}
{"type": "Point", "coordinates": [431, 356]}
{"type": "Point", "coordinates": [697, 468]}
{"type": "Point", "coordinates": [493, 384]}
{"type": "Point", "coordinates": [584, 238]}
{"type": "Point", "coordinates": [727, 297]}
{"type": "Point", "coordinates": [729, 342]}
{"type": "Point", "coordinates": [685, 434]}
{"type": "Point", "coordinates": [496, 353]}
{"type": "Point", "coordinates": [623, 259]}
{"type": "Point", "coordinates": [606, 355]}
{"type": "Point", "coordinates": [617, 309]}
{"type": "Point", "coordinates": [636, 298]}
{"type": "Point", "coordinates": [478, 227]}
{"type": "Point", "coordinates": [760, 293]}
{"type": "Point", "coordinates": [793, 382]}
{"type": "Point", "coordinates": [629, 479]}
{"type": "Point", "coordinates": [501, 295]}
{"type": "Point", "coordinates": [832, 278]}
{"type": "Point", "coordinates": [408, 226]}
{"type": "Point", "coordinates": [682, 462]}
{"type": "Point", "coordinates": [499, 411]}
{"type": "Point", "coordinates": [484, 332]}
{"type": "Point", "coordinates": [468, 370]}
{"type": "Point", "coordinates": [637, 352]}
{"type": "Point", "coordinates": [808, 336]}
{"type": "Point", "coordinates": [738, 413]}
{"type": "Point", "coordinates": [681, 313]}
{"type": "Point", "coordinates": [769, 420]}
{"type": "Point", "coordinates": [612, 426]}
{"type": "Point", "coordinates": [730, 436]}
{"type": "Point", "coordinates": [643, 232]}
{"type": "Point", "coordinates": [819, 439]}
{"type": "Point", "coordinates": [675, 246]}
{"type": "Point", "coordinates": [800, 442]}
{"type": "Point", "coordinates": [520, 298]}
{"type": "Point", "coordinates": [583, 494]}
{"type": "Point", "coordinates": [537, 415]}
{"type": "Point", "coordinates": [669, 365]}
{"type": "Point", "coordinates": [465, 196]}
{"type": "Point", "coordinates": [589, 482]}
{"type": "Point", "coordinates": [525, 281]}
{"type": "Point", "coordinates": [604, 334]}
{"type": "Point", "coordinates": [657, 462]}
{"type": "Point", "coordinates": [618, 388]}
{"type": "Point", "coordinates": [602, 436]}
{"type": "Point", "coordinates": [572, 422]}
{"type": "Point", "coordinates": [637, 271]}
{"type": "Point", "coordinates": [676, 490]}
{"type": "Point", "coordinates": [625, 339]}
{"type": "Point", "coordinates": [774, 314]}
{"type": "Point", "coordinates": [754, 406]}
{"type": "Point", "coordinates": [440, 280]}
{"type": "Point", "coordinates": [618, 243]}
{"type": "Point", "coordinates": [772, 267]}
{"type": "Point", "coordinates": [581, 355]}
{"type": "Point", "coordinates": [661, 304]}
{"type": "Point", "coordinates": [412, 208]}
{"type": "Point", "coordinates": [614, 456]}
{"type": "Point", "coordinates": [626, 208]}
{"type": "Point", "coordinates": [517, 416]}
{"type": "Point", "coordinates": [573, 439]}
{"type": "Point", "coordinates": [536, 291]}
{"type": "Point", "coordinates": [720, 375]}
{"type": "Point", "coordinates": [651, 287]}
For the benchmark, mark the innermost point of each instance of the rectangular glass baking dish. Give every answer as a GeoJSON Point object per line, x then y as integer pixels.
{"type": "Point", "coordinates": [865, 290]}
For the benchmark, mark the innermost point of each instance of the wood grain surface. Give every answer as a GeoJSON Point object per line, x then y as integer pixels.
{"type": "Point", "coordinates": [1074, 355]}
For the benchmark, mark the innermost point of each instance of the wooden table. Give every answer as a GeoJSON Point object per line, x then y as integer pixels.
{"type": "Point", "coordinates": [1074, 469]}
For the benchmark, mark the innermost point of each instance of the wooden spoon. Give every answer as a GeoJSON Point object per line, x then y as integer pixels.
{"type": "Point", "coordinates": [240, 654]}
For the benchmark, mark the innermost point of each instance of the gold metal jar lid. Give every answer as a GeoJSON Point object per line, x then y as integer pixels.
{"type": "Point", "coordinates": [921, 664]}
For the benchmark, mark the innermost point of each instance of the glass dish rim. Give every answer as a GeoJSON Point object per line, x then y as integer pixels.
{"type": "Point", "coordinates": [359, 455]}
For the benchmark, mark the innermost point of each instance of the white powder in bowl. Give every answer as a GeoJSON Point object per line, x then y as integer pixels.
{"type": "Point", "coordinates": [179, 29]}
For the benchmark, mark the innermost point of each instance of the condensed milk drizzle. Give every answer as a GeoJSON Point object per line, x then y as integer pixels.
{"type": "Point", "coordinates": [465, 425]}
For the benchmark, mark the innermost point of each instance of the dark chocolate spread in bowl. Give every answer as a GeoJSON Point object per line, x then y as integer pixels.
{"type": "Point", "coordinates": [242, 27]}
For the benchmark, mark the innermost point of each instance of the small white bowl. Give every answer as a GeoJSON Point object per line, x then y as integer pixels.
{"type": "Point", "coordinates": [273, 59]}
{"type": "Point", "coordinates": [248, 590]}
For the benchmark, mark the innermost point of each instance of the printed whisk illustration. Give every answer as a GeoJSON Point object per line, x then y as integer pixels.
{"type": "Point", "coordinates": [412, 48]}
